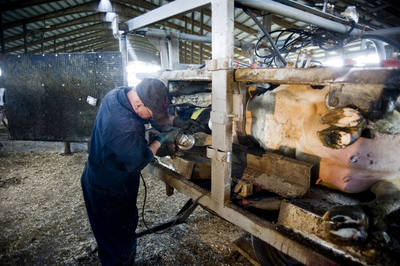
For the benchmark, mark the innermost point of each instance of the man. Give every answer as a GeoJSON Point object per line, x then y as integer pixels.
{"type": "Point", "coordinates": [118, 152]}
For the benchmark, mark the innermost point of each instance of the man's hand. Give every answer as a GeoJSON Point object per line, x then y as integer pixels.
{"type": "Point", "coordinates": [167, 137]}
{"type": "Point", "coordinates": [189, 124]}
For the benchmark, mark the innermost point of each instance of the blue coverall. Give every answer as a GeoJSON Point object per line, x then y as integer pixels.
{"type": "Point", "coordinates": [110, 181]}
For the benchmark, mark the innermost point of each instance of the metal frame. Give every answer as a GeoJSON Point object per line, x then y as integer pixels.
{"type": "Point", "coordinates": [221, 72]}
{"type": "Point", "coordinates": [166, 12]}
{"type": "Point", "coordinates": [256, 226]}
{"type": "Point", "coordinates": [170, 57]}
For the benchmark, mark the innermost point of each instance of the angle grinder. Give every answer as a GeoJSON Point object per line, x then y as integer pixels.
{"type": "Point", "coordinates": [184, 140]}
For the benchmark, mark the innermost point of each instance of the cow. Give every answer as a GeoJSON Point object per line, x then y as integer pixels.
{"type": "Point", "coordinates": [294, 119]}
{"type": "Point", "coordinates": [353, 148]}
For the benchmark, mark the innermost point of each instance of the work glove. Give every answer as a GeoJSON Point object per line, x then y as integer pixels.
{"type": "Point", "coordinates": [190, 124]}
{"type": "Point", "coordinates": [167, 137]}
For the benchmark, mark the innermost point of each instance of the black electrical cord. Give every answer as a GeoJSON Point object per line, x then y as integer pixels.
{"type": "Point", "coordinates": [300, 38]}
{"type": "Point", "coordinates": [249, 13]}
{"type": "Point", "coordinates": [177, 218]}
{"type": "Point", "coordinates": [291, 44]}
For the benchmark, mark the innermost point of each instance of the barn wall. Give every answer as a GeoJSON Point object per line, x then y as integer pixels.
{"type": "Point", "coordinates": [47, 93]}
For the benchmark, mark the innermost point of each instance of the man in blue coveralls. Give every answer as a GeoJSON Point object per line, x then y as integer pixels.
{"type": "Point", "coordinates": [118, 152]}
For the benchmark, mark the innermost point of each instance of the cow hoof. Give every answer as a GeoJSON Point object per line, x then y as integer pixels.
{"type": "Point", "coordinates": [381, 236]}
{"type": "Point", "coordinates": [348, 225]}
{"type": "Point", "coordinates": [339, 138]}
{"type": "Point", "coordinates": [343, 117]}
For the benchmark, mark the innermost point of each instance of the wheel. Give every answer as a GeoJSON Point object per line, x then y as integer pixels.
{"type": "Point", "coordinates": [267, 255]}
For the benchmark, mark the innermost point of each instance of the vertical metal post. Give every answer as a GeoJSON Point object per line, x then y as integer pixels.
{"type": "Point", "coordinates": [55, 44]}
{"type": "Point", "coordinates": [173, 51]}
{"type": "Point", "coordinates": [180, 51]}
{"type": "Point", "coordinates": [185, 43]}
{"type": "Point", "coordinates": [124, 54]}
{"type": "Point", "coordinates": [380, 49]}
{"type": "Point", "coordinates": [267, 20]}
{"type": "Point", "coordinates": [65, 47]}
{"type": "Point", "coordinates": [44, 29]}
{"type": "Point", "coordinates": [192, 47]}
{"type": "Point", "coordinates": [201, 34]}
{"type": "Point", "coordinates": [3, 44]}
{"type": "Point", "coordinates": [160, 42]}
{"type": "Point", "coordinates": [67, 148]}
{"type": "Point", "coordinates": [343, 56]}
{"type": "Point", "coordinates": [222, 87]}
{"type": "Point", "coordinates": [25, 41]}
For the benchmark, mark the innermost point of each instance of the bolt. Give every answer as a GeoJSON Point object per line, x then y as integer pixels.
{"type": "Point", "coordinates": [334, 101]}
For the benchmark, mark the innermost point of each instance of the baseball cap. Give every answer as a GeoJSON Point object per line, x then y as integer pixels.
{"type": "Point", "coordinates": [154, 94]}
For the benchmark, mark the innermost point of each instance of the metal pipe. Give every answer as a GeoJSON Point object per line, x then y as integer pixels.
{"type": "Point", "coordinates": [380, 49]}
{"type": "Point", "coordinates": [296, 14]}
{"type": "Point", "coordinates": [124, 54]}
{"type": "Point", "coordinates": [385, 32]}
{"type": "Point", "coordinates": [201, 34]}
{"type": "Point", "coordinates": [192, 45]}
{"type": "Point", "coordinates": [190, 37]}
{"type": "Point", "coordinates": [185, 41]}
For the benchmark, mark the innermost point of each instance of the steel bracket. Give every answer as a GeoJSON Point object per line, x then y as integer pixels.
{"type": "Point", "coordinates": [219, 64]}
{"type": "Point", "coordinates": [366, 97]}
{"type": "Point", "coordinates": [221, 118]}
{"type": "Point", "coordinates": [248, 49]}
{"type": "Point", "coordinates": [221, 156]}
{"type": "Point", "coordinates": [237, 107]}
{"type": "Point", "coordinates": [160, 43]}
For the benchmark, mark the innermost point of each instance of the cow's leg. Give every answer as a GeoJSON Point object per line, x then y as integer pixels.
{"type": "Point", "coordinates": [346, 127]}
{"type": "Point", "coordinates": [352, 225]}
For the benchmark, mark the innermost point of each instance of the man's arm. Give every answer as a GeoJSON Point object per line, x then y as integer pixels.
{"type": "Point", "coordinates": [165, 137]}
{"type": "Point", "coordinates": [154, 146]}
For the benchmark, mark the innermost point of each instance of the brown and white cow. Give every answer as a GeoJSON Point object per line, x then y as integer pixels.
{"type": "Point", "coordinates": [295, 117]}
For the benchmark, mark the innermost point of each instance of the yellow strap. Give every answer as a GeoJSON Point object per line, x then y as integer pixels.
{"type": "Point", "coordinates": [196, 113]}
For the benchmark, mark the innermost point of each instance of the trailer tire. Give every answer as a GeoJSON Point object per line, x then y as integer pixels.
{"type": "Point", "coordinates": [267, 255]}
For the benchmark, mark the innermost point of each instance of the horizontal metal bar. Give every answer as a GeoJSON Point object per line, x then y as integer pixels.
{"type": "Point", "coordinates": [165, 12]}
{"type": "Point", "coordinates": [186, 37]}
{"type": "Point", "coordinates": [253, 224]}
{"type": "Point", "coordinates": [188, 75]}
{"type": "Point", "coordinates": [385, 32]}
{"type": "Point", "coordinates": [319, 76]}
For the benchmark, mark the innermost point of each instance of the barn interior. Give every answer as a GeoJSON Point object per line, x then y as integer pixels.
{"type": "Point", "coordinates": [60, 58]}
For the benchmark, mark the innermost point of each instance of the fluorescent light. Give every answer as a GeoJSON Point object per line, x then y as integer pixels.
{"type": "Point", "coordinates": [105, 6]}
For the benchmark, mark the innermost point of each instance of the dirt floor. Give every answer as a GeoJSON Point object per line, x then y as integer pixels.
{"type": "Point", "coordinates": [43, 219]}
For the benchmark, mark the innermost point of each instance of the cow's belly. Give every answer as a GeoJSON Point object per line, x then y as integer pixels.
{"type": "Point", "coordinates": [294, 121]}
